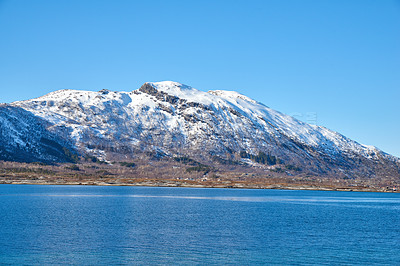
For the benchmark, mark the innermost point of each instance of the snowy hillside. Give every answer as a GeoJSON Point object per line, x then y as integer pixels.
{"type": "Point", "coordinates": [171, 118]}
{"type": "Point", "coordinates": [27, 138]}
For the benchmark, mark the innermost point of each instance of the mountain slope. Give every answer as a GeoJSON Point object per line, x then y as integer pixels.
{"type": "Point", "coordinates": [27, 138]}
{"type": "Point", "coordinates": [174, 119]}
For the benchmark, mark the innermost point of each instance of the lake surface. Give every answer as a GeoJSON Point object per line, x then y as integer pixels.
{"type": "Point", "coordinates": [86, 225]}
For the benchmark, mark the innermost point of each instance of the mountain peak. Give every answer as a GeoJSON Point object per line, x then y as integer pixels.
{"type": "Point", "coordinates": [178, 90]}
{"type": "Point", "coordinates": [168, 84]}
{"type": "Point", "coordinates": [171, 87]}
{"type": "Point", "coordinates": [189, 93]}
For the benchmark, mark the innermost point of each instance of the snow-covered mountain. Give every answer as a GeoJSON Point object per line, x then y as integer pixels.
{"type": "Point", "coordinates": [169, 118]}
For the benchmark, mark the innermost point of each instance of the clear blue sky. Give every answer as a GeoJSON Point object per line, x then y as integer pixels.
{"type": "Point", "coordinates": [339, 59]}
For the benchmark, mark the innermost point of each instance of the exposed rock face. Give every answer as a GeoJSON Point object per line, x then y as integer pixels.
{"type": "Point", "coordinates": [171, 118]}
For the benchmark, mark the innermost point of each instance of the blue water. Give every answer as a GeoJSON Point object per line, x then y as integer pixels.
{"type": "Point", "coordinates": [87, 225]}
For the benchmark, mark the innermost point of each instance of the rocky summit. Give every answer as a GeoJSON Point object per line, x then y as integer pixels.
{"type": "Point", "coordinates": [171, 120]}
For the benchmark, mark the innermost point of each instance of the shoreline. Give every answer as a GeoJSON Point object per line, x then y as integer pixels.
{"type": "Point", "coordinates": [175, 174]}
{"type": "Point", "coordinates": [169, 183]}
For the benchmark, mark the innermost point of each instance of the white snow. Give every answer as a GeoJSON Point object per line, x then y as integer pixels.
{"type": "Point", "coordinates": [183, 91]}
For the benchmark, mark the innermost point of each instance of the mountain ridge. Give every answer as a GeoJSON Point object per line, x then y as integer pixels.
{"type": "Point", "coordinates": [175, 119]}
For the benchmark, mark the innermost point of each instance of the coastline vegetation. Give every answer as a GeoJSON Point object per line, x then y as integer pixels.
{"type": "Point", "coordinates": [185, 171]}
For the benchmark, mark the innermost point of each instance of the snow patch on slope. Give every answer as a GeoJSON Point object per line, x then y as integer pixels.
{"type": "Point", "coordinates": [232, 95]}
